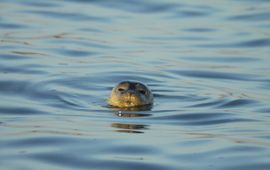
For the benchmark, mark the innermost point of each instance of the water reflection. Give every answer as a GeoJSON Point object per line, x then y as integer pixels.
{"type": "Point", "coordinates": [129, 128]}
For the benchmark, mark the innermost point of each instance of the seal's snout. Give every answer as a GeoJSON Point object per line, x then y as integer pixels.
{"type": "Point", "coordinates": [131, 92]}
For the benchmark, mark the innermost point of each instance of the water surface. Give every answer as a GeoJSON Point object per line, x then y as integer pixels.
{"type": "Point", "coordinates": [207, 63]}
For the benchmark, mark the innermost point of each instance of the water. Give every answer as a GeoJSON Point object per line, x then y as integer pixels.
{"type": "Point", "coordinates": [207, 63]}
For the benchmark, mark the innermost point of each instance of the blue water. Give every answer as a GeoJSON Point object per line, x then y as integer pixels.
{"type": "Point", "coordinates": [207, 63]}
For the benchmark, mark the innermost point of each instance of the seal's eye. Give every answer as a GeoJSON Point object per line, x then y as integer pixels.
{"type": "Point", "coordinates": [121, 89]}
{"type": "Point", "coordinates": [142, 92]}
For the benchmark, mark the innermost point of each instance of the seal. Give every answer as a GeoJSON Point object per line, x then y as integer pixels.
{"type": "Point", "coordinates": [128, 94]}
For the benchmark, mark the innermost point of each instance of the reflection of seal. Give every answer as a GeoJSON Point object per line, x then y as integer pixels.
{"type": "Point", "coordinates": [129, 128]}
{"type": "Point", "coordinates": [130, 94]}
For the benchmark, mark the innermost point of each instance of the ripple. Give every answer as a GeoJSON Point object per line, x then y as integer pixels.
{"type": "Point", "coordinates": [264, 42]}
{"type": "Point", "coordinates": [174, 97]}
{"type": "Point", "coordinates": [200, 30]}
{"type": "Point", "coordinates": [238, 103]}
{"type": "Point", "coordinates": [73, 52]}
{"type": "Point", "coordinates": [221, 59]}
{"type": "Point", "coordinates": [11, 26]}
{"type": "Point", "coordinates": [215, 75]}
{"type": "Point", "coordinates": [82, 42]}
{"type": "Point", "coordinates": [208, 103]}
{"type": "Point", "coordinates": [40, 141]}
{"type": "Point", "coordinates": [197, 119]}
{"type": "Point", "coordinates": [264, 110]}
{"type": "Point", "coordinates": [226, 104]}
{"type": "Point", "coordinates": [69, 16]}
{"type": "Point", "coordinates": [69, 102]}
{"type": "Point", "coordinates": [191, 13]}
{"type": "Point", "coordinates": [84, 153]}
{"type": "Point", "coordinates": [117, 76]}
{"type": "Point", "coordinates": [40, 4]}
{"type": "Point", "coordinates": [248, 166]}
{"type": "Point", "coordinates": [13, 57]}
{"type": "Point", "coordinates": [26, 69]}
{"type": "Point", "coordinates": [75, 82]}
{"type": "Point", "coordinates": [136, 6]}
{"type": "Point", "coordinates": [13, 87]}
{"type": "Point", "coordinates": [71, 161]}
{"type": "Point", "coordinates": [173, 38]}
{"type": "Point", "coordinates": [19, 111]}
{"type": "Point", "coordinates": [264, 16]}
{"type": "Point", "coordinates": [223, 158]}
{"type": "Point", "coordinates": [134, 150]}
{"type": "Point", "coordinates": [254, 43]}
{"type": "Point", "coordinates": [34, 91]}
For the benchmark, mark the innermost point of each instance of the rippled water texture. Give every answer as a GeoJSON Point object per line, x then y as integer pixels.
{"type": "Point", "coordinates": [207, 63]}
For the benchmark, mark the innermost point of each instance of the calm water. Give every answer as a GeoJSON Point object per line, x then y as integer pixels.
{"type": "Point", "coordinates": [207, 63]}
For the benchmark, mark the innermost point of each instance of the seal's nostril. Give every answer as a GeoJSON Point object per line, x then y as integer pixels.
{"type": "Point", "coordinates": [131, 92]}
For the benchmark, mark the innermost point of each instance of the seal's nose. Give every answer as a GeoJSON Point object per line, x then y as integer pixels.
{"type": "Point", "coordinates": [130, 92]}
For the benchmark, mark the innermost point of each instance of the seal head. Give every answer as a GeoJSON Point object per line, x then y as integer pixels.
{"type": "Point", "coordinates": [130, 94]}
